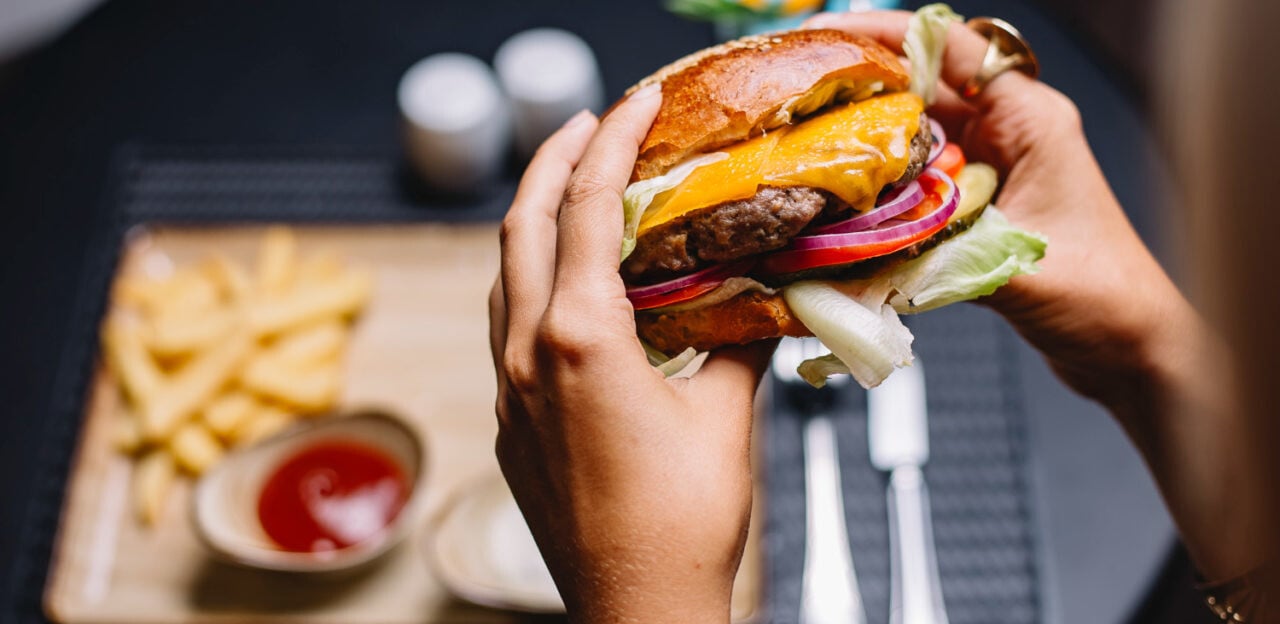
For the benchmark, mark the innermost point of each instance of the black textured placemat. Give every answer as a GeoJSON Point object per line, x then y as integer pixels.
{"type": "Point", "coordinates": [976, 473]}
{"type": "Point", "coordinates": [976, 477]}
{"type": "Point", "coordinates": [289, 184]}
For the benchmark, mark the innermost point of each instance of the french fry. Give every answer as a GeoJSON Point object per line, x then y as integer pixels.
{"type": "Point", "coordinates": [179, 333]}
{"type": "Point", "coordinates": [308, 390]}
{"type": "Point", "coordinates": [226, 413]}
{"type": "Point", "coordinates": [129, 361]}
{"type": "Point", "coordinates": [343, 296]}
{"type": "Point", "coordinates": [277, 261]}
{"type": "Point", "coordinates": [126, 433]}
{"type": "Point", "coordinates": [313, 345]}
{"type": "Point", "coordinates": [192, 386]}
{"type": "Point", "coordinates": [195, 448]}
{"type": "Point", "coordinates": [320, 267]}
{"type": "Point", "coordinates": [152, 479]}
{"type": "Point", "coordinates": [268, 421]}
{"type": "Point", "coordinates": [186, 291]}
{"type": "Point", "coordinates": [140, 292]}
{"type": "Point", "coordinates": [215, 356]}
{"type": "Point", "coordinates": [230, 278]}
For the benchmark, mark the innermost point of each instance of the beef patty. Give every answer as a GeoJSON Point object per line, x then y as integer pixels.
{"type": "Point", "coordinates": [745, 227]}
{"type": "Point", "coordinates": [724, 232]}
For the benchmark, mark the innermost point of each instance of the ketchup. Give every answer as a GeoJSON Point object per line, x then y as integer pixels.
{"type": "Point", "coordinates": [331, 495]}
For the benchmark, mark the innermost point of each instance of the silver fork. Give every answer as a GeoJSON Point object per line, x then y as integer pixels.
{"type": "Point", "coordinates": [829, 586]}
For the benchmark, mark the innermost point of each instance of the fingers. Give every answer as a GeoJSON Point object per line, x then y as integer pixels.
{"type": "Point", "coordinates": [529, 229]}
{"type": "Point", "coordinates": [724, 388]}
{"type": "Point", "coordinates": [961, 60]}
{"type": "Point", "coordinates": [590, 236]}
{"type": "Point", "coordinates": [561, 241]}
{"type": "Point", "coordinates": [952, 112]}
{"type": "Point", "coordinates": [498, 347]}
{"type": "Point", "coordinates": [497, 324]}
{"type": "Point", "coordinates": [734, 371]}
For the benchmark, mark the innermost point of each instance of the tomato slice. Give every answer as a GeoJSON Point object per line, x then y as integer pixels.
{"type": "Point", "coordinates": [932, 199]}
{"type": "Point", "coordinates": [793, 260]}
{"type": "Point", "coordinates": [951, 160]}
{"type": "Point", "coordinates": [675, 296]}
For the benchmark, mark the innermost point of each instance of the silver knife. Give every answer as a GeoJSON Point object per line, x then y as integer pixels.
{"type": "Point", "coordinates": [898, 434]}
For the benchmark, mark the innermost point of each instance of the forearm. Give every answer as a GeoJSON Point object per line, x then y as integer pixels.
{"type": "Point", "coordinates": [1199, 447]}
{"type": "Point", "coordinates": [1117, 329]}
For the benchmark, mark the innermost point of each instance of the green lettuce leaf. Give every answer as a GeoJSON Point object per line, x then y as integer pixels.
{"type": "Point", "coordinates": [851, 319]}
{"type": "Point", "coordinates": [817, 370]}
{"type": "Point", "coordinates": [665, 365]}
{"type": "Point", "coordinates": [924, 44]}
{"type": "Point", "coordinates": [858, 320]}
{"type": "Point", "coordinates": [677, 363]}
{"type": "Point", "coordinates": [969, 265]}
{"type": "Point", "coordinates": [639, 196]}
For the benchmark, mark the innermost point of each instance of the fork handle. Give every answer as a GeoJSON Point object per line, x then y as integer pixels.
{"type": "Point", "coordinates": [915, 594]}
{"type": "Point", "coordinates": [829, 592]}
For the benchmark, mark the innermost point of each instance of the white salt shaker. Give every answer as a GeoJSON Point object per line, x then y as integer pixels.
{"type": "Point", "coordinates": [457, 124]}
{"type": "Point", "coordinates": [549, 74]}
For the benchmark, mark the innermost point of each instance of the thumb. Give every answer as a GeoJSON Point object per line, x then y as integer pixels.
{"type": "Point", "coordinates": [734, 371]}
{"type": "Point", "coordinates": [725, 388]}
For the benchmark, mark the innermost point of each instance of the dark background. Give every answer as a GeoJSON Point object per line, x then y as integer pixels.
{"type": "Point", "coordinates": [320, 72]}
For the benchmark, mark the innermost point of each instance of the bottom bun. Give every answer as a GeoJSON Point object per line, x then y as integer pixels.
{"type": "Point", "coordinates": [744, 319]}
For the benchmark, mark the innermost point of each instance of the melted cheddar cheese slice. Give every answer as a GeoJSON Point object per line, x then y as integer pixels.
{"type": "Point", "coordinates": [852, 151]}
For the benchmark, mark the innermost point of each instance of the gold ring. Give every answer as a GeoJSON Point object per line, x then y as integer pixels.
{"type": "Point", "coordinates": [1006, 50]}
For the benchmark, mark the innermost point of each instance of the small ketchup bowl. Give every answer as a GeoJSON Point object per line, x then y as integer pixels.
{"type": "Point", "coordinates": [327, 495]}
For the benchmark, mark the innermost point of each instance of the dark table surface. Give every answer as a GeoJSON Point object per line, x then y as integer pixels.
{"type": "Point", "coordinates": [323, 72]}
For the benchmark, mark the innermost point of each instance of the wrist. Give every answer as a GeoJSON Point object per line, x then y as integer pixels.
{"type": "Point", "coordinates": [639, 604]}
{"type": "Point", "coordinates": [638, 591]}
{"type": "Point", "coordinates": [1159, 368]}
{"type": "Point", "coordinates": [1178, 366]}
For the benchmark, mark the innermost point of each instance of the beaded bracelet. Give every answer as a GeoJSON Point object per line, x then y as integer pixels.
{"type": "Point", "coordinates": [1242, 599]}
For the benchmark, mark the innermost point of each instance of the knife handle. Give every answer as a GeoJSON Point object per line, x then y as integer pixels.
{"type": "Point", "coordinates": [915, 595]}
{"type": "Point", "coordinates": [829, 587]}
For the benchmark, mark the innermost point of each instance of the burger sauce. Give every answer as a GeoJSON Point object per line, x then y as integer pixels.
{"type": "Point", "coordinates": [331, 495]}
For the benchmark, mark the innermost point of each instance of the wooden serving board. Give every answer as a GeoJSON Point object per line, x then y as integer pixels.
{"type": "Point", "coordinates": [419, 350]}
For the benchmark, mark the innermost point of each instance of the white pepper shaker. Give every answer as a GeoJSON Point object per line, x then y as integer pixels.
{"type": "Point", "coordinates": [549, 74]}
{"type": "Point", "coordinates": [457, 124]}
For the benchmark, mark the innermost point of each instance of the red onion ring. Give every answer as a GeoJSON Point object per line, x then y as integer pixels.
{"type": "Point", "coordinates": [939, 140]}
{"type": "Point", "coordinates": [895, 203]}
{"type": "Point", "coordinates": [892, 230]}
{"type": "Point", "coordinates": [716, 273]}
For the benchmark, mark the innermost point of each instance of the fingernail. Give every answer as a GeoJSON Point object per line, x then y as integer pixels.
{"type": "Point", "coordinates": [647, 92]}
{"type": "Point", "coordinates": [577, 120]}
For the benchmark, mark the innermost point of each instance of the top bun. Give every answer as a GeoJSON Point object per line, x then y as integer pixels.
{"type": "Point", "coordinates": [745, 87]}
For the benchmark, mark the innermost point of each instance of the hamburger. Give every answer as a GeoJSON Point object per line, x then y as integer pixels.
{"type": "Point", "coordinates": [792, 184]}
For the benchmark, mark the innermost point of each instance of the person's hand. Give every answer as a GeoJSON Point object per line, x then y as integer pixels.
{"type": "Point", "coordinates": [637, 488]}
{"type": "Point", "coordinates": [1102, 310]}
{"type": "Point", "coordinates": [1090, 308]}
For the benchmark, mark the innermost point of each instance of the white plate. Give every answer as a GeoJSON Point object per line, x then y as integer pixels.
{"type": "Point", "coordinates": [481, 549]}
